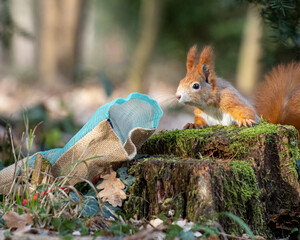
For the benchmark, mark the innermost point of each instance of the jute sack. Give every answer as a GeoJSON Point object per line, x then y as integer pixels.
{"type": "Point", "coordinates": [113, 134]}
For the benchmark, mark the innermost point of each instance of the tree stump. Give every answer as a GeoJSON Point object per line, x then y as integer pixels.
{"type": "Point", "coordinates": [194, 174]}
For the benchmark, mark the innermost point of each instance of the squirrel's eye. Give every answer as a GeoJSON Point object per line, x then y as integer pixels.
{"type": "Point", "coordinates": [196, 86]}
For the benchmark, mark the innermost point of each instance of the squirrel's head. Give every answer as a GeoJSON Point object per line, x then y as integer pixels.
{"type": "Point", "coordinates": [199, 84]}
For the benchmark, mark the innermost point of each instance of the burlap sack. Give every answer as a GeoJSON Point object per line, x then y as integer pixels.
{"type": "Point", "coordinates": [113, 134]}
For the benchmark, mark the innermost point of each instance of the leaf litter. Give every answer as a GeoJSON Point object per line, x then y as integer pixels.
{"type": "Point", "coordinates": [112, 189]}
{"type": "Point", "coordinates": [19, 222]}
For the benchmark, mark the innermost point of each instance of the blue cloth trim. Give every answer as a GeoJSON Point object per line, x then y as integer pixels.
{"type": "Point", "coordinates": [101, 114]}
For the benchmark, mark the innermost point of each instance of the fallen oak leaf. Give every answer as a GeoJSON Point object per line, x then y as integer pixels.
{"type": "Point", "coordinates": [14, 220]}
{"type": "Point", "coordinates": [112, 189]}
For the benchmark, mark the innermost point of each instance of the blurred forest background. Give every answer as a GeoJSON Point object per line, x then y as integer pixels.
{"type": "Point", "coordinates": [62, 59]}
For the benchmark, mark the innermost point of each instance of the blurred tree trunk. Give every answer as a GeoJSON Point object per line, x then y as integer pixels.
{"type": "Point", "coordinates": [60, 28]}
{"type": "Point", "coordinates": [149, 17]}
{"type": "Point", "coordinates": [250, 52]}
{"type": "Point", "coordinates": [47, 58]}
{"type": "Point", "coordinates": [80, 34]}
{"type": "Point", "coordinates": [6, 33]}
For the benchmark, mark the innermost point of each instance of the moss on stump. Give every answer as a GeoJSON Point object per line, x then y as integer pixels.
{"type": "Point", "coordinates": [194, 174]}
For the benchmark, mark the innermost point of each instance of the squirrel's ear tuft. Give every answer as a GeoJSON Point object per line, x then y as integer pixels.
{"type": "Point", "coordinates": [206, 58]}
{"type": "Point", "coordinates": [191, 57]}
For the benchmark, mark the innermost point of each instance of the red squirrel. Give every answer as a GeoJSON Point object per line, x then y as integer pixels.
{"type": "Point", "coordinates": [216, 101]}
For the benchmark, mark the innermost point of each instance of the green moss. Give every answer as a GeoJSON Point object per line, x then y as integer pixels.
{"type": "Point", "coordinates": [197, 209]}
{"type": "Point", "coordinates": [135, 203]}
{"type": "Point", "coordinates": [179, 142]}
{"type": "Point", "coordinates": [242, 186]}
{"type": "Point", "coordinates": [148, 174]}
{"type": "Point", "coordinates": [167, 202]}
{"type": "Point", "coordinates": [241, 194]}
{"type": "Point", "coordinates": [292, 153]}
{"type": "Point", "coordinates": [46, 163]}
{"type": "Point", "coordinates": [261, 128]}
{"type": "Point", "coordinates": [242, 140]}
{"type": "Point", "coordinates": [238, 140]}
{"type": "Point", "coordinates": [174, 207]}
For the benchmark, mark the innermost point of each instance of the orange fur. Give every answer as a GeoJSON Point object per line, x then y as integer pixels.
{"type": "Point", "coordinates": [199, 120]}
{"type": "Point", "coordinates": [207, 57]}
{"type": "Point", "coordinates": [278, 97]}
{"type": "Point", "coordinates": [191, 57]}
{"type": "Point", "coordinates": [243, 113]}
{"type": "Point", "coordinates": [214, 96]}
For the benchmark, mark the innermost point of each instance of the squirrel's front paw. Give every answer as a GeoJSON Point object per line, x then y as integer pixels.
{"type": "Point", "coordinates": [192, 126]}
{"type": "Point", "coordinates": [246, 123]}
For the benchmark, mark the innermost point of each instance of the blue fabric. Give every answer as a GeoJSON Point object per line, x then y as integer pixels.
{"type": "Point", "coordinates": [124, 114]}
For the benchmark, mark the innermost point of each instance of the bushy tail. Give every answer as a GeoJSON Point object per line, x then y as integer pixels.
{"type": "Point", "coordinates": [278, 97]}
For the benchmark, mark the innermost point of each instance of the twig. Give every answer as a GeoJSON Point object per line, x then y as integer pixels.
{"type": "Point", "coordinates": [15, 157]}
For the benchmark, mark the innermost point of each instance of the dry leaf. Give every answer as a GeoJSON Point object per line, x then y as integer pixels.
{"type": "Point", "coordinates": [156, 222]}
{"type": "Point", "coordinates": [14, 220]}
{"type": "Point", "coordinates": [112, 189]}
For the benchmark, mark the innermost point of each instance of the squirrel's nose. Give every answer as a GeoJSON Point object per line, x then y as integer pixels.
{"type": "Point", "coordinates": [178, 96]}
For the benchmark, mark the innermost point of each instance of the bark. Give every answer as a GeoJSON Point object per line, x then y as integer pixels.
{"type": "Point", "coordinates": [250, 172]}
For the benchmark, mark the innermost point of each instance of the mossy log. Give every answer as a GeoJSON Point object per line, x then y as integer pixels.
{"type": "Point", "coordinates": [250, 172]}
